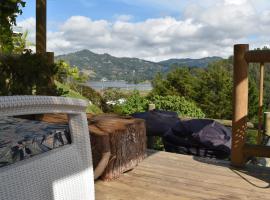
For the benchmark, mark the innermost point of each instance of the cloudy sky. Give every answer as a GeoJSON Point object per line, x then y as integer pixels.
{"type": "Point", "coordinates": [152, 29]}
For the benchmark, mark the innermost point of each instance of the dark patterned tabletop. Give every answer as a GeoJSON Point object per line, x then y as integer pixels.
{"type": "Point", "coordinates": [22, 138]}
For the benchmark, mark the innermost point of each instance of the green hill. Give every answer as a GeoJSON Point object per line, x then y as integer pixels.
{"type": "Point", "coordinates": [112, 68]}
{"type": "Point", "coordinates": [129, 69]}
{"type": "Point", "coordinates": [201, 62]}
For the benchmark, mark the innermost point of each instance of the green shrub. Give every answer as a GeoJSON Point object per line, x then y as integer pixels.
{"type": "Point", "coordinates": [27, 74]}
{"type": "Point", "coordinates": [134, 103]}
{"type": "Point", "coordinates": [90, 94]}
{"type": "Point", "coordinates": [177, 104]}
{"type": "Point", "coordinates": [138, 103]}
{"type": "Point", "coordinates": [112, 94]}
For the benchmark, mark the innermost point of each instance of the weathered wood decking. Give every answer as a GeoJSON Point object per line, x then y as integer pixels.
{"type": "Point", "coordinates": [167, 176]}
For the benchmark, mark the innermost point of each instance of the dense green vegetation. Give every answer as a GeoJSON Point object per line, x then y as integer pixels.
{"type": "Point", "coordinates": [179, 104]}
{"type": "Point", "coordinates": [9, 10]}
{"type": "Point", "coordinates": [210, 88]}
{"type": "Point", "coordinates": [27, 74]}
{"type": "Point", "coordinates": [138, 103]}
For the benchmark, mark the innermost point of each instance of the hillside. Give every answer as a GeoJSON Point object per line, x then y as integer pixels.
{"type": "Point", "coordinates": [112, 68]}
{"type": "Point", "coordinates": [128, 69]}
{"type": "Point", "coordinates": [201, 62]}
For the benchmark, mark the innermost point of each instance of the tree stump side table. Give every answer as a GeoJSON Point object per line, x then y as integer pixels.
{"type": "Point", "coordinates": [118, 144]}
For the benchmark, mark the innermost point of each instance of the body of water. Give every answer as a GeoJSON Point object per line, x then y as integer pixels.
{"type": "Point", "coordinates": [100, 85]}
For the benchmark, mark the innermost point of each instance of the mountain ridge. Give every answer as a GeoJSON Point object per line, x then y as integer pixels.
{"type": "Point", "coordinates": [125, 68]}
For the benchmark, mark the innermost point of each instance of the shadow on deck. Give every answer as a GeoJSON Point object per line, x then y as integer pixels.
{"type": "Point", "coordinates": [171, 176]}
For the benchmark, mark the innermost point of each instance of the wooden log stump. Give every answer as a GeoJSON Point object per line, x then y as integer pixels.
{"type": "Point", "coordinates": [118, 143]}
{"type": "Point", "coordinates": [122, 139]}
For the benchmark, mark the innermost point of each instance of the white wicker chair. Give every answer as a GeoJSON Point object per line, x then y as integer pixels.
{"type": "Point", "coordinates": [65, 173]}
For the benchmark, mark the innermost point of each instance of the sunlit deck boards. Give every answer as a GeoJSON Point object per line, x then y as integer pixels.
{"type": "Point", "coordinates": [166, 176]}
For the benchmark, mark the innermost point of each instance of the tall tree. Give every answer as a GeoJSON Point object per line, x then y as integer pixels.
{"type": "Point", "coordinates": [179, 81]}
{"type": "Point", "coordinates": [214, 91]}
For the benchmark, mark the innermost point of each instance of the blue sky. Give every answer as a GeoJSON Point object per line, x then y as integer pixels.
{"type": "Point", "coordinates": [152, 29]}
{"type": "Point", "coordinates": [59, 10]}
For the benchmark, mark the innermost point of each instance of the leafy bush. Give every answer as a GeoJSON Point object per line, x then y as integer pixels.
{"type": "Point", "coordinates": [137, 103]}
{"type": "Point", "coordinates": [27, 74]}
{"type": "Point", "coordinates": [112, 94]}
{"type": "Point", "coordinates": [91, 94]}
{"type": "Point", "coordinates": [179, 104]}
{"type": "Point", "coordinates": [134, 103]}
{"type": "Point", "coordinates": [68, 74]}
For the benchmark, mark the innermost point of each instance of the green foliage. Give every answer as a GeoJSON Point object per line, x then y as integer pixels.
{"type": "Point", "coordinates": [158, 143]}
{"type": "Point", "coordinates": [162, 86]}
{"type": "Point", "coordinates": [68, 92]}
{"type": "Point", "coordinates": [20, 43]}
{"type": "Point", "coordinates": [138, 103]}
{"type": "Point", "coordinates": [113, 94]}
{"type": "Point", "coordinates": [27, 74]}
{"type": "Point", "coordinates": [91, 94]}
{"type": "Point", "coordinates": [179, 81]}
{"type": "Point", "coordinates": [69, 74]}
{"type": "Point", "coordinates": [252, 136]}
{"type": "Point", "coordinates": [178, 104]}
{"type": "Point", "coordinates": [134, 103]}
{"type": "Point", "coordinates": [214, 91]}
{"type": "Point", "coordinates": [253, 99]}
{"type": "Point", "coordinates": [9, 10]}
{"type": "Point", "coordinates": [210, 88]}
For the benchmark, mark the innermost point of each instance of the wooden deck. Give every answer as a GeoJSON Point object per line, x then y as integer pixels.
{"type": "Point", "coordinates": [167, 176]}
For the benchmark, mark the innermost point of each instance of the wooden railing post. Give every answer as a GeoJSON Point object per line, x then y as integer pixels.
{"type": "Point", "coordinates": [41, 18]}
{"type": "Point", "coordinates": [260, 111]}
{"type": "Point", "coordinates": [240, 104]}
{"type": "Point", "coordinates": [151, 139]}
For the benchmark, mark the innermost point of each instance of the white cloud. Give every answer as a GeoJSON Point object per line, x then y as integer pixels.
{"type": "Point", "coordinates": [124, 18]}
{"type": "Point", "coordinates": [202, 31]}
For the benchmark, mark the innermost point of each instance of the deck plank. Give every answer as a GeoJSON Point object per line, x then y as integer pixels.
{"type": "Point", "coordinates": [170, 176]}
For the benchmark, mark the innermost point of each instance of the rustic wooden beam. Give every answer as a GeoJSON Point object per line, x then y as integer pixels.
{"type": "Point", "coordinates": [258, 56]}
{"type": "Point", "coordinates": [260, 110]}
{"type": "Point", "coordinates": [267, 123]}
{"type": "Point", "coordinates": [41, 29]}
{"type": "Point", "coordinates": [240, 104]}
{"type": "Point", "coordinates": [256, 150]}
{"type": "Point", "coordinates": [50, 57]}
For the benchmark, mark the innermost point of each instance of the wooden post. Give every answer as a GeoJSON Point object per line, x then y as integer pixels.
{"type": "Point", "coordinates": [240, 104]}
{"type": "Point", "coordinates": [50, 57]}
{"type": "Point", "coordinates": [41, 15]}
{"type": "Point", "coordinates": [267, 123]}
{"type": "Point", "coordinates": [260, 111]}
{"type": "Point", "coordinates": [151, 139]}
{"type": "Point", "coordinates": [151, 106]}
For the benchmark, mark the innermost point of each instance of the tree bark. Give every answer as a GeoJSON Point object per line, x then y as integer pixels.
{"type": "Point", "coordinates": [125, 140]}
